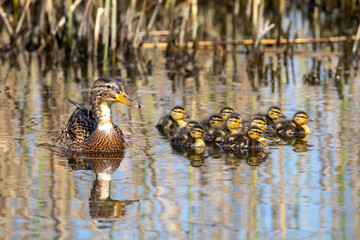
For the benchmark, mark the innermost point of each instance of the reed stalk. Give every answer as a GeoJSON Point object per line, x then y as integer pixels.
{"type": "Point", "coordinates": [99, 14]}
{"type": "Point", "coordinates": [70, 23]}
{"type": "Point", "coordinates": [151, 22]}
{"type": "Point", "coordinates": [6, 22]}
{"type": "Point", "coordinates": [186, 9]}
{"type": "Point", "coordinates": [20, 23]}
{"type": "Point", "coordinates": [106, 33]}
{"type": "Point", "coordinates": [355, 46]}
{"type": "Point", "coordinates": [113, 27]}
{"type": "Point", "coordinates": [194, 18]}
{"type": "Point", "coordinates": [136, 35]}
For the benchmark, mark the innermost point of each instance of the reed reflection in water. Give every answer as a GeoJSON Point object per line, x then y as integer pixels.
{"type": "Point", "coordinates": [307, 188]}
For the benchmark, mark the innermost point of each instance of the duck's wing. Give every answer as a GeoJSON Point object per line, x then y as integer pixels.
{"type": "Point", "coordinates": [285, 127]}
{"type": "Point", "coordinates": [79, 127]}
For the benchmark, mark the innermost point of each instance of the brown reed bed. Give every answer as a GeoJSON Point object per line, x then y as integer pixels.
{"type": "Point", "coordinates": [112, 30]}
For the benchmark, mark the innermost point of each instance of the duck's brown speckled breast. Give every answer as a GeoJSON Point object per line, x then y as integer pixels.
{"type": "Point", "coordinates": [104, 141]}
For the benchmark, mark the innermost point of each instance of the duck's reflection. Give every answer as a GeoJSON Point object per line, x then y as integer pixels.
{"type": "Point", "coordinates": [298, 142]}
{"type": "Point", "coordinates": [194, 155]}
{"type": "Point", "coordinates": [254, 157]}
{"type": "Point", "coordinates": [101, 205]}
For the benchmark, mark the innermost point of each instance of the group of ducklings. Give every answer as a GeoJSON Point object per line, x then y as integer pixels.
{"type": "Point", "coordinates": [228, 130]}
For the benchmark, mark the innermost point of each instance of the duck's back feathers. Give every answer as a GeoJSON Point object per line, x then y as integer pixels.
{"type": "Point", "coordinates": [79, 127]}
{"type": "Point", "coordinates": [167, 124]}
{"type": "Point", "coordinates": [236, 141]}
{"type": "Point", "coordinates": [287, 127]}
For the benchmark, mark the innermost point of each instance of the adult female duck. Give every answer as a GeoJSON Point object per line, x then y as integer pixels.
{"type": "Point", "coordinates": [92, 129]}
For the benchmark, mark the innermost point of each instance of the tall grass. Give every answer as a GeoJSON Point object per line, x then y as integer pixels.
{"type": "Point", "coordinates": [96, 28]}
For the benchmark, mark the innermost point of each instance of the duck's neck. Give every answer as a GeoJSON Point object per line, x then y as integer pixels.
{"type": "Point", "coordinates": [199, 142]}
{"type": "Point", "coordinates": [306, 128]}
{"type": "Point", "coordinates": [102, 116]}
{"type": "Point", "coordinates": [234, 130]}
{"type": "Point", "coordinates": [181, 123]}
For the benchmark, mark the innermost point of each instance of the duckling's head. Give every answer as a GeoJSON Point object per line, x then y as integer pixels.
{"type": "Point", "coordinates": [178, 113]}
{"type": "Point", "coordinates": [258, 122]}
{"type": "Point", "coordinates": [254, 133]}
{"type": "Point", "coordinates": [301, 118]}
{"type": "Point", "coordinates": [108, 90]}
{"type": "Point", "coordinates": [225, 112]}
{"type": "Point", "coordinates": [216, 121]}
{"type": "Point", "coordinates": [197, 132]}
{"type": "Point", "coordinates": [275, 113]}
{"type": "Point", "coordinates": [233, 122]}
{"type": "Point", "coordinates": [190, 124]}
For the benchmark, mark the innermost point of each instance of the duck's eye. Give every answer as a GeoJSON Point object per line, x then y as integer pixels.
{"type": "Point", "coordinates": [108, 86]}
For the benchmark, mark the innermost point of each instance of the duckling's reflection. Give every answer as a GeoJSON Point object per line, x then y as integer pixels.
{"type": "Point", "coordinates": [254, 157]}
{"type": "Point", "coordinates": [101, 205]}
{"type": "Point", "coordinates": [298, 142]}
{"type": "Point", "coordinates": [195, 155]}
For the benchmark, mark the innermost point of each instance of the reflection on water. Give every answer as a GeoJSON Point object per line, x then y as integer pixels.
{"type": "Point", "coordinates": [101, 205]}
{"type": "Point", "coordinates": [293, 189]}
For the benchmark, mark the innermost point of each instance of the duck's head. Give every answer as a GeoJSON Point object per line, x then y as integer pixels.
{"type": "Point", "coordinates": [108, 90]}
{"type": "Point", "coordinates": [216, 121]}
{"type": "Point", "coordinates": [275, 113]}
{"type": "Point", "coordinates": [104, 92]}
{"type": "Point", "coordinates": [191, 124]}
{"type": "Point", "coordinates": [233, 122]}
{"type": "Point", "coordinates": [259, 122]}
{"type": "Point", "coordinates": [226, 112]}
{"type": "Point", "coordinates": [301, 118]}
{"type": "Point", "coordinates": [178, 113]}
{"type": "Point", "coordinates": [197, 132]}
{"type": "Point", "coordinates": [254, 133]}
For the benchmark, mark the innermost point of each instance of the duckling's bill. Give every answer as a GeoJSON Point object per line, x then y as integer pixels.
{"type": "Point", "coordinates": [123, 98]}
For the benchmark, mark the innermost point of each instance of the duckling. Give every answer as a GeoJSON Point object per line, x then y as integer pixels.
{"type": "Point", "coordinates": [194, 138]}
{"type": "Point", "coordinates": [182, 133]}
{"type": "Point", "coordinates": [92, 129]}
{"type": "Point", "coordinates": [212, 126]}
{"type": "Point", "coordinates": [296, 126]}
{"type": "Point", "coordinates": [273, 114]}
{"type": "Point", "coordinates": [225, 112]}
{"type": "Point", "coordinates": [259, 122]}
{"type": "Point", "coordinates": [212, 122]}
{"type": "Point", "coordinates": [232, 126]}
{"type": "Point", "coordinates": [172, 122]}
{"type": "Point", "coordinates": [249, 141]}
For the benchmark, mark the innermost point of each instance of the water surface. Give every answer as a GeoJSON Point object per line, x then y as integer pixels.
{"type": "Point", "coordinates": [307, 189]}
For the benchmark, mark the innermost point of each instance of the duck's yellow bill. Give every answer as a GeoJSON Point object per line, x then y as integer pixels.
{"type": "Point", "coordinates": [123, 98]}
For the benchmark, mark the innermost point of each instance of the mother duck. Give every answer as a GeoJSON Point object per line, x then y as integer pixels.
{"type": "Point", "coordinates": [91, 130]}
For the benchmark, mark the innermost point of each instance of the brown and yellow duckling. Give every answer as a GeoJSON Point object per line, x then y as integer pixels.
{"type": "Point", "coordinates": [182, 133]}
{"type": "Point", "coordinates": [214, 121]}
{"type": "Point", "coordinates": [273, 114]}
{"type": "Point", "coordinates": [194, 138]}
{"type": "Point", "coordinates": [250, 140]}
{"type": "Point", "coordinates": [174, 121]}
{"type": "Point", "coordinates": [232, 125]}
{"type": "Point", "coordinates": [212, 127]}
{"type": "Point", "coordinates": [257, 121]}
{"type": "Point", "coordinates": [296, 126]}
{"type": "Point", "coordinates": [225, 112]}
{"type": "Point", "coordinates": [92, 129]}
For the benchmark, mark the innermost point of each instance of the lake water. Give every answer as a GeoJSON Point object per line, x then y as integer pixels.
{"type": "Point", "coordinates": [305, 189]}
